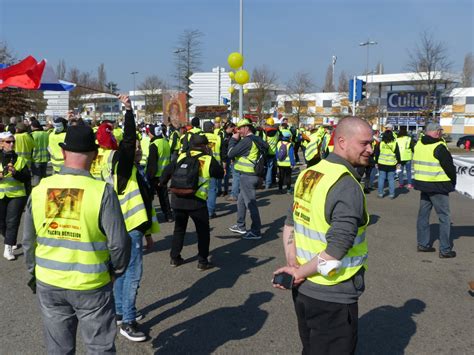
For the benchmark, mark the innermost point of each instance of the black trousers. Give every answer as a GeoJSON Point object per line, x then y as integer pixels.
{"type": "Point", "coordinates": [200, 218]}
{"type": "Point", "coordinates": [163, 197]}
{"type": "Point", "coordinates": [297, 147]}
{"type": "Point", "coordinates": [10, 216]}
{"type": "Point", "coordinates": [284, 177]}
{"type": "Point", "coordinates": [326, 327]}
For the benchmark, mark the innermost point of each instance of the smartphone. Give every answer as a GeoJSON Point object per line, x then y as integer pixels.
{"type": "Point", "coordinates": [284, 279]}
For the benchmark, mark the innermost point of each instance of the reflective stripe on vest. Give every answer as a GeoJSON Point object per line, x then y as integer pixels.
{"type": "Point", "coordinates": [287, 161]}
{"type": "Point", "coordinates": [40, 151]}
{"type": "Point", "coordinates": [164, 155]}
{"type": "Point", "coordinates": [312, 147]}
{"type": "Point", "coordinates": [204, 175]}
{"type": "Point", "coordinates": [57, 160]}
{"type": "Point", "coordinates": [387, 154]}
{"type": "Point", "coordinates": [131, 201]}
{"type": "Point", "coordinates": [71, 251]}
{"type": "Point", "coordinates": [311, 227]}
{"type": "Point", "coordinates": [404, 146]}
{"type": "Point", "coordinates": [427, 167]}
{"type": "Point", "coordinates": [9, 186]}
{"type": "Point", "coordinates": [247, 164]}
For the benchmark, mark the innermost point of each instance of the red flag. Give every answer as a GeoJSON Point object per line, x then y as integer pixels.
{"type": "Point", "coordinates": [26, 74]}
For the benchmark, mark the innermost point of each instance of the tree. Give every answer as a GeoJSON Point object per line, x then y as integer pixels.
{"type": "Point", "coordinates": [152, 88]}
{"type": "Point", "coordinates": [468, 70]}
{"type": "Point", "coordinates": [343, 85]}
{"type": "Point", "coordinates": [265, 82]}
{"type": "Point", "coordinates": [101, 77]}
{"type": "Point", "coordinates": [112, 87]}
{"type": "Point", "coordinates": [430, 63]}
{"type": "Point", "coordinates": [61, 69]}
{"type": "Point", "coordinates": [328, 82]}
{"type": "Point", "coordinates": [298, 86]}
{"type": "Point", "coordinates": [188, 55]}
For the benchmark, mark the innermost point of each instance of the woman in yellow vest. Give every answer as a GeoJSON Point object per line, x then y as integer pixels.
{"type": "Point", "coordinates": [14, 174]}
{"type": "Point", "coordinates": [407, 147]}
{"type": "Point", "coordinates": [387, 156]}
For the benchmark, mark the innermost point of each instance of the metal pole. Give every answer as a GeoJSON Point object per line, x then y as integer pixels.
{"type": "Point", "coordinates": [241, 91]}
{"type": "Point", "coordinates": [354, 96]}
{"type": "Point", "coordinates": [218, 85]}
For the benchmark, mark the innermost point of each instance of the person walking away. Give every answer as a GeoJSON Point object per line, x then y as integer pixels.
{"type": "Point", "coordinates": [285, 162]}
{"type": "Point", "coordinates": [55, 137]}
{"type": "Point", "coordinates": [24, 143]}
{"type": "Point", "coordinates": [325, 243]}
{"type": "Point", "coordinates": [159, 157]}
{"type": "Point", "coordinates": [406, 146]}
{"type": "Point", "coordinates": [40, 155]}
{"type": "Point", "coordinates": [435, 178]}
{"type": "Point", "coordinates": [14, 175]}
{"type": "Point", "coordinates": [74, 274]}
{"type": "Point", "coordinates": [107, 146]}
{"type": "Point", "coordinates": [272, 135]}
{"type": "Point", "coordinates": [192, 203]}
{"type": "Point", "coordinates": [228, 129]}
{"type": "Point", "coordinates": [174, 140]}
{"type": "Point", "coordinates": [215, 145]}
{"type": "Point", "coordinates": [194, 129]}
{"type": "Point", "coordinates": [245, 148]}
{"type": "Point", "coordinates": [387, 156]}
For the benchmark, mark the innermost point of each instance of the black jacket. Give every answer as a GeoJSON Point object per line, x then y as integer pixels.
{"type": "Point", "coordinates": [442, 154]}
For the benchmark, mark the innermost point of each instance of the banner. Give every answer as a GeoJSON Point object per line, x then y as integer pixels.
{"type": "Point", "coordinates": [174, 108]}
{"type": "Point", "coordinates": [464, 174]}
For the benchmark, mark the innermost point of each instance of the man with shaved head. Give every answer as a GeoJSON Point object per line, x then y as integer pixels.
{"type": "Point", "coordinates": [325, 243]}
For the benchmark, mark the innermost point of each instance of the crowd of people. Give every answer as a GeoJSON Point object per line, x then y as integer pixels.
{"type": "Point", "coordinates": [86, 225]}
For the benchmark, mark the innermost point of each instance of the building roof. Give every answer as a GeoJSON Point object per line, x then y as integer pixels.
{"type": "Point", "coordinates": [408, 78]}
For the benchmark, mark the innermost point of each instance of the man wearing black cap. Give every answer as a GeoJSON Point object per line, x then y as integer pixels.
{"type": "Point", "coordinates": [75, 241]}
{"type": "Point", "coordinates": [194, 204]}
{"type": "Point", "coordinates": [195, 129]}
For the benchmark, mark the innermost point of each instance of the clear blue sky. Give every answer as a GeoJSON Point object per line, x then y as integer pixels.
{"type": "Point", "coordinates": [286, 35]}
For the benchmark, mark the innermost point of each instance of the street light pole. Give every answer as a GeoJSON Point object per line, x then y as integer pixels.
{"type": "Point", "coordinates": [334, 59]}
{"type": "Point", "coordinates": [241, 91]}
{"type": "Point", "coordinates": [134, 93]}
{"type": "Point", "coordinates": [367, 44]}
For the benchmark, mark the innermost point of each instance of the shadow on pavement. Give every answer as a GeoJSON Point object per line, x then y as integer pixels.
{"type": "Point", "coordinates": [456, 231]}
{"type": "Point", "coordinates": [206, 333]}
{"type": "Point", "coordinates": [387, 329]}
{"type": "Point", "coordinates": [373, 219]}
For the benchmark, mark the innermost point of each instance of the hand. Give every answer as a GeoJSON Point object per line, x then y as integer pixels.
{"type": "Point", "coordinates": [11, 169]}
{"type": "Point", "coordinates": [149, 242]}
{"type": "Point", "coordinates": [236, 136]}
{"type": "Point", "coordinates": [125, 99]}
{"type": "Point", "coordinates": [289, 270]}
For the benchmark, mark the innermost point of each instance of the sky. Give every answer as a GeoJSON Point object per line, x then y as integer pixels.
{"type": "Point", "coordinates": [288, 36]}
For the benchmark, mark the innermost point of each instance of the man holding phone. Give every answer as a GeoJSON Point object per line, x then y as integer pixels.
{"type": "Point", "coordinates": [325, 244]}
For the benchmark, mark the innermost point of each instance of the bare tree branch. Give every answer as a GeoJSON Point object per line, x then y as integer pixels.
{"type": "Point", "coordinates": [297, 87]}
{"type": "Point", "coordinates": [265, 81]}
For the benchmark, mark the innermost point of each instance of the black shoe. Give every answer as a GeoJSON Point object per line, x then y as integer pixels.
{"type": "Point", "coordinates": [422, 249]}
{"type": "Point", "coordinates": [212, 216]}
{"type": "Point", "coordinates": [448, 255]}
{"type": "Point", "coordinates": [176, 261]}
{"type": "Point", "coordinates": [366, 190]}
{"type": "Point", "coordinates": [131, 332]}
{"type": "Point", "coordinates": [205, 266]}
{"type": "Point", "coordinates": [138, 316]}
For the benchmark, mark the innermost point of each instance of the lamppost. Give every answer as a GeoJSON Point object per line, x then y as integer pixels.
{"type": "Point", "coordinates": [134, 93]}
{"type": "Point", "coordinates": [367, 44]}
{"type": "Point", "coordinates": [241, 91]}
{"type": "Point", "coordinates": [334, 59]}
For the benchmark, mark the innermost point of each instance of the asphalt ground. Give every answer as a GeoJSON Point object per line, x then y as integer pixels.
{"type": "Point", "coordinates": [414, 303]}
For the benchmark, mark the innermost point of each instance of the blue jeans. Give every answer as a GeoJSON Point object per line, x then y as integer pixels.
{"type": "Point", "coordinates": [269, 177]}
{"type": "Point", "coordinates": [212, 196]}
{"type": "Point", "coordinates": [406, 165]}
{"type": "Point", "coordinates": [390, 176]}
{"type": "Point", "coordinates": [126, 285]}
{"type": "Point", "coordinates": [235, 182]}
{"type": "Point", "coordinates": [441, 204]}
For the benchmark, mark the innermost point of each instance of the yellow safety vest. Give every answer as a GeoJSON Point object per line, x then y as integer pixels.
{"type": "Point", "coordinates": [247, 164]}
{"type": "Point", "coordinates": [118, 134]}
{"type": "Point", "coordinates": [145, 146]}
{"type": "Point", "coordinates": [272, 143]}
{"type": "Point", "coordinates": [311, 227]}
{"type": "Point", "coordinates": [131, 201]}
{"type": "Point", "coordinates": [204, 175]}
{"type": "Point", "coordinates": [101, 163]}
{"type": "Point", "coordinates": [187, 136]}
{"type": "Point", "coordinates": [71, 251]}
{"type": "Point", "coordinates": [287, 161]}
{"type": "Point", "coordinates": [9, 186]}
{"type": "Point", "coordinates": [215, 145]}
{"type": "Point", "coordinates": [24, 144]}
{"type": "Point", "coordinates": [312, 148]}
{"type": "Point", "coordinates": [54, 150]}
{"type": "Point", "coordinates": [426, 166]}
{"type": "Point", "coordinates": [40, 151]}
{"type": "Point", "coordinates": [177, 147]}
{"type": "Point", "coordinates": [404, 146]}
{"type": "Point", "coordinates": [387, 154]}
{"type": "Point", "coordinates": [164, 155]}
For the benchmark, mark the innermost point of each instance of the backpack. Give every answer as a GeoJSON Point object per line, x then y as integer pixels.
{"type": "Point", "coordinates": [185, 177]}
{"type": "Point", "coordinates": [282, 152]}
{"type": "Point", "coordinates": [261, 162]}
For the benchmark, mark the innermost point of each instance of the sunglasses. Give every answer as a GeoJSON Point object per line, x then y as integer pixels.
{"type": "Point", "coordinates": [9, 142]}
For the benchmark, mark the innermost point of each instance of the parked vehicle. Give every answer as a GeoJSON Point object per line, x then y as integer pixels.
{"type": "Point", "coordinates": [461, 143]}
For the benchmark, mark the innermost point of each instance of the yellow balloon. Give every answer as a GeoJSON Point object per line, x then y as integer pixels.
{"type": "Point", "coordinates": [242, 77]}
{"type": "Point", "coordinates": [231, 75]}
{"type": "Point", "coordinates": [246, 91]}
{"type": "Point", "coordinates": [235, 60]}
{"type": "Point", "coordinates": [231, 90]}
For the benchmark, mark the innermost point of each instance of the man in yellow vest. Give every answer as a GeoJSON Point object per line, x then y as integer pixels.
{"type": "Point", "coordinates": [55, 137]}
{"type": "Point", "coordinates": [75, 240]}
{"type": "Point", "coordinates": [24, 143]}
{"type": "Point", "coordinates": [435, 178]}
{"type": "Point", "coordinates": [192, 203]}
{"type": "Point", "coordinates": [194, 129]}
{"type": "Point", "coordinates": [215, 145]}
{"type": "Point", "coordinates": [286, 162]}
{"type": "Point", "coordinates": [407, 147]}
{"type": "Point", "coordinates": [40, 152]}
{"type": "Point", "coordinates": [325, 243]}
{"type": "Point", "coordinates": [159, 157]}
{"type": "Point", "coordinates": [245, 148]}
{"type": "Point", "coordinates": [271, 136]}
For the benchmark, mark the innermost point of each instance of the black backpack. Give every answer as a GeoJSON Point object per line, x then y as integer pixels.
{"type": "Point", "coordinates": [185, 177]}
{"type": "Point", "coordinates": [261, 162]}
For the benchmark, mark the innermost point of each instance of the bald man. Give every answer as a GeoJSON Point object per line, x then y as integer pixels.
{"type": "Point", "coordinates": [325, 245]}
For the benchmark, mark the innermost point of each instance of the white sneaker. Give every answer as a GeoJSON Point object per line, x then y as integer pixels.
{"type": "Point", "coordinates": [8, 253]}
{"type": "Point", "coordinates": [16, 246]}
